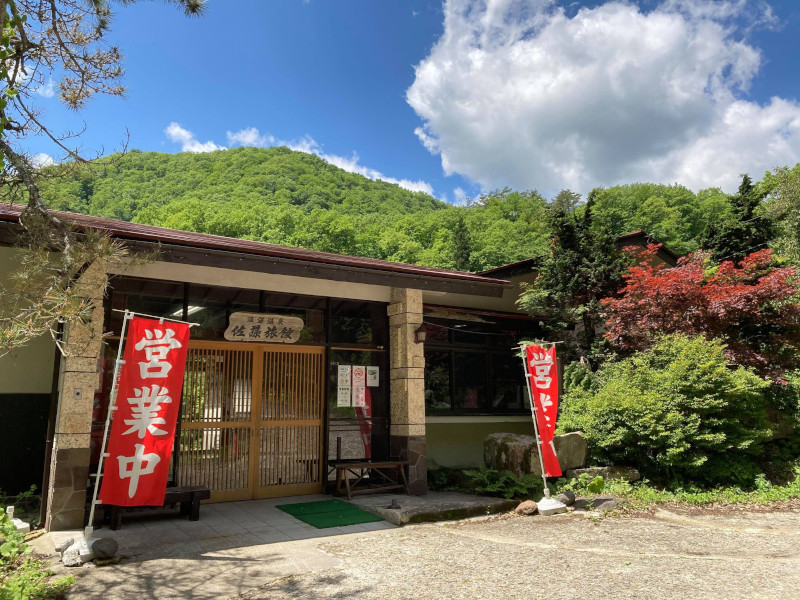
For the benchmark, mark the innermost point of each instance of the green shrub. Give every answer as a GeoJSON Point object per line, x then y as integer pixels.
{"type": "Point", "coordinates": [504, 483]}
{"type": "Point", "coordinates": [677, 412]}
{"type": "Point", "coordinates": [22, 576]}
{"type": "Point", "coordinates": [578, 375]}
{"type": "Point", "coordinates": [583, 485]}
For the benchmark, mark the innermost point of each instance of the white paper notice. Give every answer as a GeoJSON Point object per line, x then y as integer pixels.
{"type": "Point", "coordinates": [359, 385]}
{"type": "Point", "coordinates": [372, 377]}
{"type": "Point", "coordinates": [343, 396]}
{"type": "Point", "coordinates": [359, 396]}
{"type": "Point", "coordinates": [344, 375]}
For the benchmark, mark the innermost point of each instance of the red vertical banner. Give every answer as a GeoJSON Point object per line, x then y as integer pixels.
{"type": "Point", "coordinates": [147, 406]}
{"type": "Point", "coordinates": [544, 390]}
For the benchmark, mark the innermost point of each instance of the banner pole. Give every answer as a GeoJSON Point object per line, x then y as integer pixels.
{"type": "Point", "coordinates": [111, 408]}
{"type": "Point", "coordinates": [533, 415]}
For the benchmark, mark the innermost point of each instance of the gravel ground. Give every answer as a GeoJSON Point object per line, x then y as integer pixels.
{"type": "Point", "coordinates": [674, 553]}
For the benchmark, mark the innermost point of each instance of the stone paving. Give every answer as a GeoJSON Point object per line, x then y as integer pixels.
{"type": "Point", "coordinates": [253, 551]}
{"type": "Point", "coordinates": [233, 543]}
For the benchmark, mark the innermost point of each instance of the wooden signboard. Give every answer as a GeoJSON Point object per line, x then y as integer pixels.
{"type": "Point", "coordinates": [258, 327]}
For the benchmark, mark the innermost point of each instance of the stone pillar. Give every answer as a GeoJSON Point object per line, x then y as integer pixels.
{"type": "Point", "coordinates": [407, 386]}
{"type": "Point", "coordinates": [69, 461]}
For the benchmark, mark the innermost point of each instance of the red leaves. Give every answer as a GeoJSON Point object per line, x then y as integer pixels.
{"type": "Point", "coordinates": [753, 307]}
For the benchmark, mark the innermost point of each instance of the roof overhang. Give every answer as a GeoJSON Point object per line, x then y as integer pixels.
{"type": "Point", "coordinates": [189, 248]}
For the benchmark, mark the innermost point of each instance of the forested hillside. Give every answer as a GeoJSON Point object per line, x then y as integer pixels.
{"type": "Point", "coordinates": [280, 196]}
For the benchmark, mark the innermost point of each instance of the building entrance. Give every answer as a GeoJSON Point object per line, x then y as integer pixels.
{"type": "Point", "coordinates": [251, 421]}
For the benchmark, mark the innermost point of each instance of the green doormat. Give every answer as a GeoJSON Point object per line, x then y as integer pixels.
{"type": "Point", "coordinates": [328, 513]}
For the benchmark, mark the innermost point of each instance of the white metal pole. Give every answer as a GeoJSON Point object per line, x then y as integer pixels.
{"type": "Point", "coordinates": [533, 415]}
{"type": "Point", "coordinates": [111, 408]}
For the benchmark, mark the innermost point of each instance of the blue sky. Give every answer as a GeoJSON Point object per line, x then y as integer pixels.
{"type": "Point", "coordinates": [461, 97]}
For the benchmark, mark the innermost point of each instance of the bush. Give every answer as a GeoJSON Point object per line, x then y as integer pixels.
{"type": "Point", "coordinates": [677, 412]}
{"type": "Point", "coordinates": [23, 576]}
{"type": "Point", "coordinates": [504, 483]}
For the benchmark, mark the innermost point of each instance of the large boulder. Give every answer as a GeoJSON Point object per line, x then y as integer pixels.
{"type": "Point", "coordinates": [520, 453]}
{"type": "Point", "coordinates": [607, 473]}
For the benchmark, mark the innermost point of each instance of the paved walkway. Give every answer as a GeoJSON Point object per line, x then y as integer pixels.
{"type": "Point", "coordinates": [673, 553]}
{"type": "Point", "coordinates": [233, 547]}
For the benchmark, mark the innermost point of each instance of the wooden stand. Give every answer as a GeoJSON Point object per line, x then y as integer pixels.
{"type": "Point", "coordinates": [188, 496]}
{"type": "Point", "coordinates": [392, 474]}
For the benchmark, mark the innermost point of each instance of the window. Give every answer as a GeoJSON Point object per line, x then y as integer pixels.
{"type": "Point", "coordinates": [470, 366]}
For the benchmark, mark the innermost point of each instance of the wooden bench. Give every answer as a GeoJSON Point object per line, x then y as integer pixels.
{"type": "Point", "coordinates": [392, 475]}
{"type": "Point", "coordinates": [189, 497]}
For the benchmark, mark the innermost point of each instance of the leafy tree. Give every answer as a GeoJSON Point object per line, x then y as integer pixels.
{"type": "Point", "coordinates": [752, 307]}
{"type": "Point", "coordinates": [748, 228]}
{"type": "Point", "coordinates": [62, 41]}
{"type": "Point", "coordinates": [675, 411]}
{"type": "Point", "coordinates": [784, 210]}
{"type": "Point", "coordinates": [672, 214]}
{"type": "Point", "coordinates": [566, 200]}
{"type": "Point", "coordinates": [462, 246]}
{"type": "Point", "coordinates": [583, 267]}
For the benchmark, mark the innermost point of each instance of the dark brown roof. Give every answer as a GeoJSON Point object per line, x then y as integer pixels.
{"type": "Point", "coordinates": [187, 239]}
{"type": "Point", "coordinates": [641, 238]}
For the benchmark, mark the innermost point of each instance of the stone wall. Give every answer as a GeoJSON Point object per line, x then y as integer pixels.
{"type": "Point", "coordinates": [407, 386]}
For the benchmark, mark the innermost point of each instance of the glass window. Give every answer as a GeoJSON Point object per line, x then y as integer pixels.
{"type": "Point", "coordinates": [438, 381]}
{"type": "Point", "coordinates": [144, 296]}
{"type": "Point", "coordinates": [210, 307]}
{"type": "Point", "coordinates": [508, 383]}
{"type": "Point", "coordinates": [470, 364]}
{"type": "Point", "coordinates": [469, 380]}
{"type": "Point", "coordinates": [361, 323]}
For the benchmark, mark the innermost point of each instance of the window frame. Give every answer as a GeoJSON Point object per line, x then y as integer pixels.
{"type": "Point", "coordinates": [489, 350]}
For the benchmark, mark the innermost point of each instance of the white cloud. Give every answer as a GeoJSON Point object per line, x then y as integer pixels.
{"type": "Point", "coordinates": [42, 160]}
{"type": "Point", "coordinates": [252, 137]}
{"type": "Point", "coordinates": [47, 90]}
{"type": "Point", "coordinates": [459, 197]}
{"type": "Point", "coordinates": [249, 137]}
{"type": "Point", "coordinates": [186, 139]}
{"type": "Point", "coordinates": [516, 92]}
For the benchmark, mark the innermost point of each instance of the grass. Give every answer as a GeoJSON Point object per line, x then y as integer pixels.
{"type": "Point", "coordinates": [642, 494]}
{"type": "Point", "coordinates": [29, 578]}
{"type": "Point", "coordinates": [23, 575]}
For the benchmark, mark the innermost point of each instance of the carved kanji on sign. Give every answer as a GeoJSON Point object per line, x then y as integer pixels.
{"type": "Point", "coordinates": [257, 327]}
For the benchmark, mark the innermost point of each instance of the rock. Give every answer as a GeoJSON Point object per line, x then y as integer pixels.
{"type": "Point", "coordinates": [528, 507]}
{"type": "Point", "coordinates": [64, 545]}
{"type": "Point", "coordinates": [607, 473]}
{"type": "Point", "coordinates": [601, 504]}
{"type": "Point", "coordinates": [71, 557]}
{"type": "Point", "coordinates": [571, 450]}
{"type": "Point", "coordinates": [520, 454]}
{"type": "Point", "coordinates": [509, 452]}
{"type": "Point", "coordinates": [566, 497]}
{"type": "Point", "coordinates": [104, 548]}
{"type": "Point", "coordinates": [604, 504]}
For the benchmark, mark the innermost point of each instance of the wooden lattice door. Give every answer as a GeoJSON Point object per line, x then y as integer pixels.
{"type": "Point", "coordinates": [251, 420]}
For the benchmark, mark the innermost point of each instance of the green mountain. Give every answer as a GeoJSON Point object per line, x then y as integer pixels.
{"type": "Point", "coordinates": [284, 197]}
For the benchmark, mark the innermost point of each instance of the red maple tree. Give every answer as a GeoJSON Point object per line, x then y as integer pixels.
{"type": "Point", "coordinates": [753, 307]}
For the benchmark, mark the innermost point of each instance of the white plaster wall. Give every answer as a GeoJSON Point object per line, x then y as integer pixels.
{"type": "Point", "coordinates": [29, 369]}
